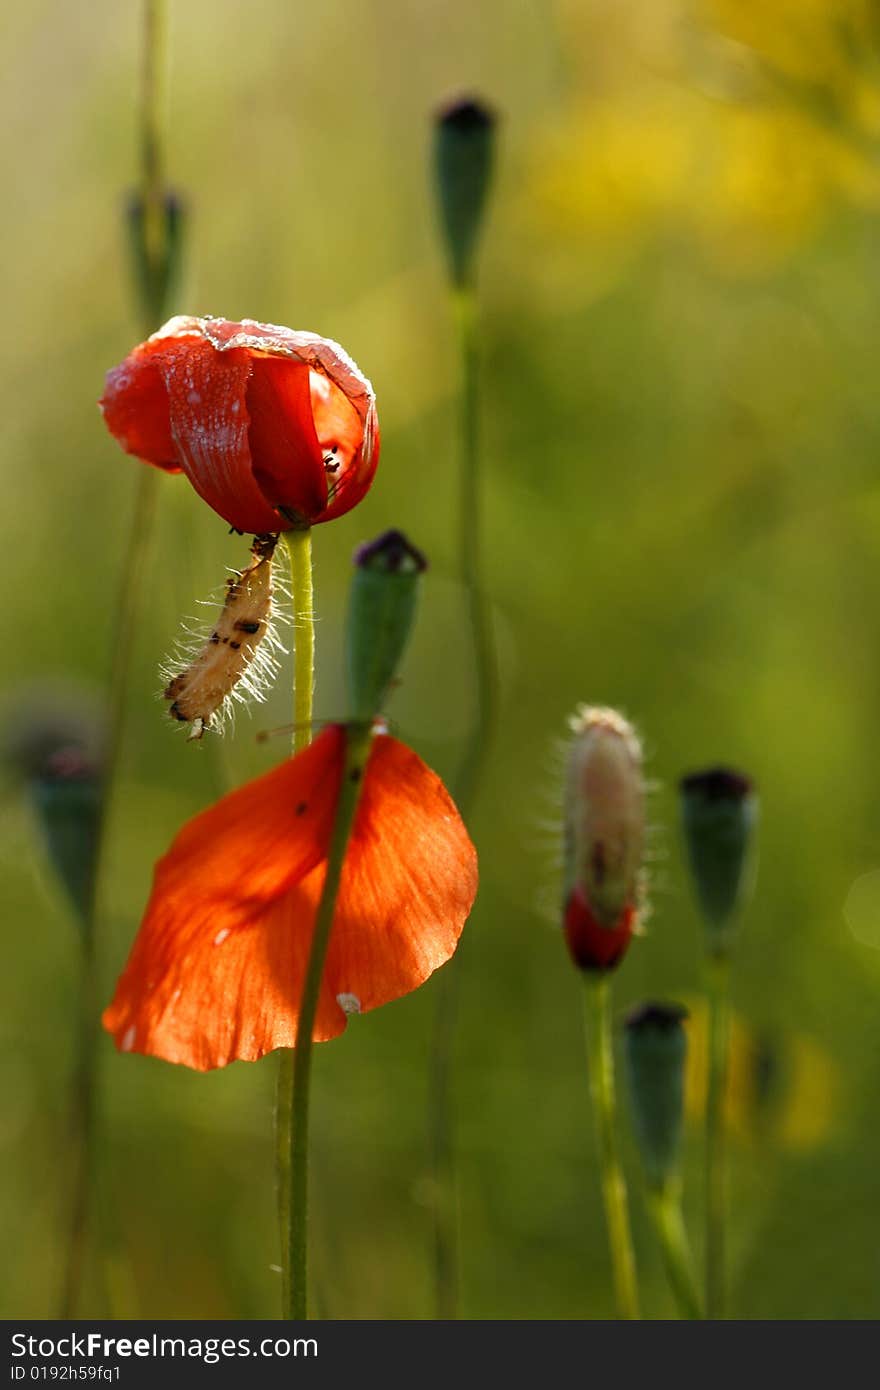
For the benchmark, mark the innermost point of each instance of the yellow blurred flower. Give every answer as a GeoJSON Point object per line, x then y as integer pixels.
{"type": "Point", "coordinates": [740, 135]}
{"type": "Point", "coordinates": [813, 41]}
{"type": "Point", "coordinates": [782, 1089]}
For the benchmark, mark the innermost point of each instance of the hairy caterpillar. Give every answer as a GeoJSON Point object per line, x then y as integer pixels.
{"type": "Point", "coordinates": [231, 660]}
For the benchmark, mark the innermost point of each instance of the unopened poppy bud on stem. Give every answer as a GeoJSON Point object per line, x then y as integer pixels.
{"type": "Point", "coordinates": [67, 795]}
{"type": "Point", "coordinates": [655, 1051]}
{"type": "Point", "coordinates": [155, 237]}
{"type": "Point", "coordinates": [719, 810]}
{"type": "Point", "coordinates": [382, 606]}
{"type": "Point", "coordinates": [604, 837]}
{"type": "Point", "coordinates": [464, 150]}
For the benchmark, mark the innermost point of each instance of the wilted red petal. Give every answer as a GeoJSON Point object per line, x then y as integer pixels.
{"type": "Point", "coordinates": [592, 946]}
{"type": "Point", "coordinates": [209, 421]}
{"type": "Point", "coordinates": [249, 445]}
{"type": "Point", "coordinates": [136, 409]}
{"type": "Point", "coordinates": [286, 457]}
{"type": "Point", "coordinates": [217, 969]}
{"type": "Point", "coordinates": [409, 881]}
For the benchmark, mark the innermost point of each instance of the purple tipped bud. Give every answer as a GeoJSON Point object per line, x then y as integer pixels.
{"type": "Point", "coordinates": [464, 149]}
{"type": "Point", "coordinates": [655, 1052]}
{"type": "Point", "coordinates": [719, 811]}
{"type": "Point", "coordinates": [384, 593]}
{"type": "Point", "coordinates": [155, 237]}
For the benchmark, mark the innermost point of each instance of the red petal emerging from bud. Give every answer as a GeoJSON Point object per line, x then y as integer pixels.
{"type": "Point", "coordinates": [273, 428]}
{"type": "Point", "coordinates": [604, 837]}
{"type": "Point", "coordinates": [593, 946]}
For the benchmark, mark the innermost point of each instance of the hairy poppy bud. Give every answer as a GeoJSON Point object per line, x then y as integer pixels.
{"type": "Point", "coordinates": [382, 606]}
{"type": "Point", "coordinates": [655, 1051]}
{"type": "Point", "coordinates": [604, 837]}
{"type": "Point", "coordinates": [155, 237]}
{"type": "Point", "coordinates": [464, 147]}
{"type": "Point", "coordinates": [719, 810]}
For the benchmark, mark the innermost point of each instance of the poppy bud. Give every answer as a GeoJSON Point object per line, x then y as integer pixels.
{"type": "Point", "coordinates": [655, 1051]}
{"type": "Point", "coordinates": [464, 145]}
{"type": "Point", "coordinates": [604, 838]}
{"type": "Point", "coordinates": [381, 611]}
{"type": "Point", "coordinates": [67, 795]}
{"type": "Point", "coordinates": [155, 238]}
{"type": "Point", "coordinates": [719, 809]}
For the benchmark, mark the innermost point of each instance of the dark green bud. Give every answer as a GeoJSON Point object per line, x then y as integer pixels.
{"type": "Point", "coordinates": [719, 810]}
{"type": "Point", "coordinates": [655, 1051]}
{"type": "Point", "coordinates": [155, 238]}
{"type": "Point", "coordinates": [384, 593]}
{"type": "Point", "coordinates": [464, 149]}
{"type": "Point", "coordinates": [67, 797]}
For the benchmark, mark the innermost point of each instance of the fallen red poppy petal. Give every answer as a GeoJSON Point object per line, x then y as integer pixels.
{"type": "Point", "coordinates": [216, 971]}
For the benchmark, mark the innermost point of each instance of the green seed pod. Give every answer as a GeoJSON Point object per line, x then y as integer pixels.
{"type": "Point", "coordinates": [719, 811]}
{"type": "Point", "coordinates": [464, 148]}
{"type": "Point", "coordinates": [655, 1051]}
{"type": "Point", "coordinates": [382, 606]}
{"type": "Point", "coordinates": [67, 798]}
{"type": "Point", "coordinates": [155, 237]}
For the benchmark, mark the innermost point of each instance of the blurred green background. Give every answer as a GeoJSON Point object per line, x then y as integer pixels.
{"type": "Point", "coordinates": [681, 297]}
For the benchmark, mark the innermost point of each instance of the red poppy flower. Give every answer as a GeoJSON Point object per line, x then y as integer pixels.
{"type": "Point", "coordinates": [273, 428]}
{"type": "Point", "coordinates": [216, 971]}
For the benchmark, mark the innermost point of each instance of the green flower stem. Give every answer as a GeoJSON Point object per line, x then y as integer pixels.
{"type": "Point", "coordinates": [471, 555]}
{"type": "Point", "coordinates": [482, 639]}
{"type": "Point", "coordinates": [151, 135]}
{"type": "Point", "coordinates": [292, 1102]}
{"type": "Point", "coordinates": [85, 1121]}
{"type": "Point", "coordinates": [357, 749]}
{"type": "Point", "coordinates": [600, 1062]}
{"type": "Point", "coordinates": [718, 976]}
{"type": "Point", "coordinates": [664, 1205]}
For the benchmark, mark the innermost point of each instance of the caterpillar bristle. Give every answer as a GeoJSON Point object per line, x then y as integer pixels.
{"type": "Point", "coordinates": [234, 660]}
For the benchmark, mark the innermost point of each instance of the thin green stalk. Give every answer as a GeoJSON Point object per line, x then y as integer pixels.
{"type": "Point", "coordinates": [482, 637]}
{"type": "Point", "coordinates": [299, 549]}
{"type": "Point", "coordinates": [470, 524]}
{"type": "Point", "coordinates": [664, 1205]}
{"type": "Point", "coordinates": [83, 1132]}
{"type": "Point", "coordinates": [131, 582]}
{"type": "Point", "coordinates": [152, 100]}
{"type": "Point", "coordinates": [718, 975]}
{"type": "Point", "coordinates": [357, 751]}
{"type": "Point", "coordinates": [600, 1063]}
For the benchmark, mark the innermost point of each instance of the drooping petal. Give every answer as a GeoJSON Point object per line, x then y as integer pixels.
{"type": "Point", "coordinates": [207, 394]}
{"type": "Point", "coordinates": [286, 457]}
{"type": "Point", "coordinates": [217, 970]}
{"type": "Point", "coordinates": [249, 412]}
{"type": "Point", "coordinates": [135, 407]}
{"type": "Point", "coordinates": [408, 884]}
{"type": "Point", "coordinates": [206, 982]}
{"type": "Point", "coordinates": [343, 401]}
